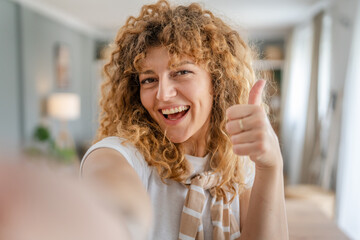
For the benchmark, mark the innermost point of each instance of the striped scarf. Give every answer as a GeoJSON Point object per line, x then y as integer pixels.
{"type": "Point", "coordinates": [223, 221]}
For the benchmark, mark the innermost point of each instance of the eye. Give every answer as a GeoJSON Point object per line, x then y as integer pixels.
{"type": "Point", "coordinates": [182, 72]}
{"type": "Point", "coordinates": [147, 80]}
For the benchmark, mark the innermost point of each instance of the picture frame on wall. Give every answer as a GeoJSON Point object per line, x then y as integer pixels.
{"type": "Point", "coordinates": [62, 66]}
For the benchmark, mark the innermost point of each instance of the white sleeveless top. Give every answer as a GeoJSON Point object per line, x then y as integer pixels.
{"type": "Point", "coordinates": [167, 199]}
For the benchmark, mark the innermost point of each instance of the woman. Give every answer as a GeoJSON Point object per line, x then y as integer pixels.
{"type": "Point", "coordinates": [180, 111]}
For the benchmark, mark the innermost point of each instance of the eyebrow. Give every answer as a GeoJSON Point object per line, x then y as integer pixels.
{"type": "Point", "coordinates": [174, 65]}
{"type": "Point", "coordinates": [182, 63]}
{"type": "Point", "coordinates": [147, 72]}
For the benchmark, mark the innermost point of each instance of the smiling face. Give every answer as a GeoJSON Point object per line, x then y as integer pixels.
{"type": "Point", "coordinates": [179, 98]}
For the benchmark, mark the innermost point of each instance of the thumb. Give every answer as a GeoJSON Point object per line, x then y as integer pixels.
{"type": "Point", "coordinates": [255, 95]}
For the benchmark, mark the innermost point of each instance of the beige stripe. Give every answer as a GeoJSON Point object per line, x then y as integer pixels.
{"type": "Point", "coordinates": [217, 213]}
{"type": "Point", "coordinates": [189, 225]}
{"type": "Point", "coordinates": [218, 233]}
{"type": "Point", "coordinates": [196, 201]}
{"type": "Point", "coordinates": [224, 222]}
{"type": "Point", "coordinates": [200, 235]}
{"type": "Point", "coordinates": [226, 217]}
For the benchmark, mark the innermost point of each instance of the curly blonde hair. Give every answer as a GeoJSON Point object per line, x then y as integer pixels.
{"type": "Point", "coordinates": [185, 31]}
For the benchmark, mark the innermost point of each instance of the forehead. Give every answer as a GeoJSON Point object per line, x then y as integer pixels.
{"type": "Point", "coordinates": [156, 56]}
{"type": "Point", "coordinates": [156, 53]}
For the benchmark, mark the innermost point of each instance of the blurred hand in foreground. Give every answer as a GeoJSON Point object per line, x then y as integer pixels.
{"type": "Point", "coordinates": [40, 204]}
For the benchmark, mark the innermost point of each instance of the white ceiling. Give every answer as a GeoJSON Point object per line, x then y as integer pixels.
{"type": "Point", "coordinates": [104, 17]}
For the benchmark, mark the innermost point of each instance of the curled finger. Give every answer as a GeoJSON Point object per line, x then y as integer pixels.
{"type": "Point", "coordinates": [245, 124]}
{"type": "Point", "coordinates": [247, 137]}
{"type": "Point", "coordinates": [246, 149]}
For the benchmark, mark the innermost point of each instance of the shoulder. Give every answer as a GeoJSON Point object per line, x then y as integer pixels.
{"type": "Point", "coordinates": [118, 144]}
{"type": "Point", "coordinates": [107, 167]}
{"type": "Point", "coordinates": [116, 153]}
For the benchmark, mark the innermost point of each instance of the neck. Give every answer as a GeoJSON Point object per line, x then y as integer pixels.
{"type": "Point", "coordinates": [197, 144]}
{"type": "Point", "coordinates": [195, 149]}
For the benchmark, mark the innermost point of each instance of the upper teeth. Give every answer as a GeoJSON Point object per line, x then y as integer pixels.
{"type": "Point", "coordinates": [174, 110]}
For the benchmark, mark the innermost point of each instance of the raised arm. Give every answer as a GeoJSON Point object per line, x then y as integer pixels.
{"type": "Point", "coordinates": [266, 218]}
{"type": "Point", "coordinates": [111, 174]}
{"type": "Point", "coordinates": [40, 202]}
{"type": "Point", "coordinates": [252, 135]}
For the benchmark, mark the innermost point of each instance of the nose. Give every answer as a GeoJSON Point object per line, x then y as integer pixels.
{"type": "Point", "coordinates": [166, 89]}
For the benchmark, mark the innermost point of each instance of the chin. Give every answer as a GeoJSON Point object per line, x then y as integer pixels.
{"type": "Point", "coordinates": [176, 138]}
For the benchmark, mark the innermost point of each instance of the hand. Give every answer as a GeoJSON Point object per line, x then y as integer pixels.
{"type": "Point", "coordinates": [63, 208]}
{"type": "Point", "coordinates": [251, 132]}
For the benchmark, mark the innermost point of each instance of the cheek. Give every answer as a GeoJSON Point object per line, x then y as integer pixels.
{"type": "Point", "coordinates": [207, 98]}
{"type": "Point", "coordinates": [145, 99]}
{"type": "Point", "coordinates": [208, 104]}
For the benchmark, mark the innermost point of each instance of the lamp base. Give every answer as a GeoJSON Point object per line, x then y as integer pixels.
{"type": "Point", "coordinates": [64, 140]}
{"type": "Point", "coordinates": [64, 145]}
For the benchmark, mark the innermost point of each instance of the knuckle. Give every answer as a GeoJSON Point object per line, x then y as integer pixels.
{"type": "Point", "coordinates": [234, 139]}
{"type": "Point", "coordinates": [229, 128]}
{"type": "Point", "coordinates": [261, 136]}
{"type": "Point", "coordinates": [258, 109]}
{"type": "Point", "coordinates": [259, 122]}
{"type": "Point", "coordinates": [231, 110]}
{"type": "Point", "coordinates": [261, 147]}
{"type": "Point", "coordinates": [238, 150]}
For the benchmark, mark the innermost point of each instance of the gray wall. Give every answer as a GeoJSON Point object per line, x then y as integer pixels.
{"type": "Point", "coordinates": [39, 38]}
{"type": "Point", "coordinates": [27, 66]}
{"type": "Point", "coordinates": [10, 131]}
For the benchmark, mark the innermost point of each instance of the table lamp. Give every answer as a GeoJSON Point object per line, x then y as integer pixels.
{"type": "Point", "coordinates": [64, 107]}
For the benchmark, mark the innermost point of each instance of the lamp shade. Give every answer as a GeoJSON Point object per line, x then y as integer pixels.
{"type": "Point", "coordinates": [64, 106]}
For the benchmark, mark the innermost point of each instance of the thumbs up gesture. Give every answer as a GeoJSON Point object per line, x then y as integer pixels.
{"type": "Point", "coordinates": [251, 132]}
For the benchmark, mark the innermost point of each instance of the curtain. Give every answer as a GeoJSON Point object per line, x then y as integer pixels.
{"type": "Point", "coordinates": [348, 180]}
{"type": "Point", "coordinates": [295, 100]}
{"type": "Point", "coordinates": [311, 161]}
{"type": "Point", "coordinates": [322, 117]}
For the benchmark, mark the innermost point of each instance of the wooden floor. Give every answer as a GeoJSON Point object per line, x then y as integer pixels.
{"type": "Point", "coordinates": [307, 221]}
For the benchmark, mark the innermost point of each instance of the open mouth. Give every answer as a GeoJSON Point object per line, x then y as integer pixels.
{"type": "Point", "coordinates": [175, 113]}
